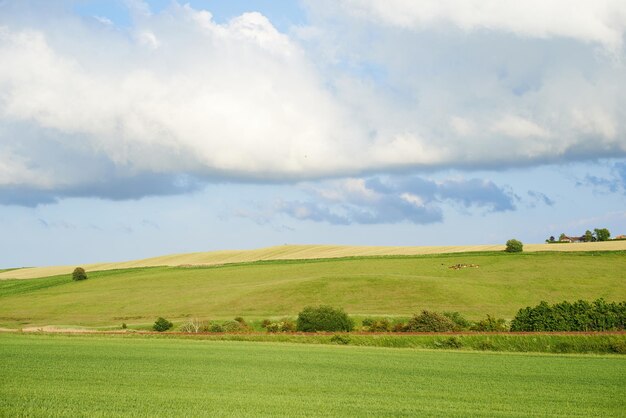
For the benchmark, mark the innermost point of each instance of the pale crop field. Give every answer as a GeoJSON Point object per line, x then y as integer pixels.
{"type": "Point", "coordinates": [294, 252]}
{"type": "Point", "coordinates": [45, 376]}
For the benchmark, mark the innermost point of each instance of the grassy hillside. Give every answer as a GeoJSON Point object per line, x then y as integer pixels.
{"type": "Point", "coordinates": [298, 252]}
{"type": "Point", "coordinates": [367, 286]}
{"type": "Point", "coordinates": [110, 376]}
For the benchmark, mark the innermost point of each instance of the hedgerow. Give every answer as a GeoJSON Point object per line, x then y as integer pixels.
{"type": "Point", "coordinates": [581, 315]}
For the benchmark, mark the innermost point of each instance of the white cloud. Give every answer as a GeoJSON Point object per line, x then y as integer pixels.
{"type": "Point", "coordinates": [518, 127]}
{"type": "Point", "coordinates": [598, 21]}
{"type": "Point", "coordinates": [179, 94]}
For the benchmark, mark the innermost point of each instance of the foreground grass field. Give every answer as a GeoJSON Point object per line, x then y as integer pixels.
{"type": "Point", "coordinates": [501, 285]}
{"type": "Point", "coordinates": [299, 252]}
{"type": "Point", "coordinates": [52, 375]}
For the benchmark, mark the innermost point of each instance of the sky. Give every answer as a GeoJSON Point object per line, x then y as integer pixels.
{"type": "Point", "coordinates": [131, 129]}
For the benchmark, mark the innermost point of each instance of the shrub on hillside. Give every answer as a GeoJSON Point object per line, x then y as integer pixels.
{"type": "Point", "coordinates": [376, 325]}
{"type": "Point", "coordinates": [233, 326]}
{"type": "Point", "coordinates": [598, 315]}
{"type": "Point", "coordinates": [399, 327]}
{"type": "Point", "coordinates": [514, 246]}
{"type": "Point", "coordinates": [162, 324]}
{"type": "Point", "coordinates": [215, 327]}
{"type": "Point", "coordinates": [79, 274]}
{"type": "Point", "coordinates": [490, 324]}
{"type": "Point", "coordinates": [323, 318]}
{"type": "Point", "coordinates": [429, 321]}
{"type": "Point", "coordinates": [459, 320]}
{"type": "Point", "coordinates": [284, 325]}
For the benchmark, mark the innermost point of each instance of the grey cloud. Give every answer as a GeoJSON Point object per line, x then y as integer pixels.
{"type": "Point", "coordinates": [614, 183]}
{"type": "Point", "coordinates": [121, 188]}
{"type": "Point", "coordinates": [385, 200]}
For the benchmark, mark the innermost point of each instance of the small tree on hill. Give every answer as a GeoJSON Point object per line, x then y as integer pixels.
{"type": "Point", "coordinates": [588, 237]}
{"type": "Point", "coordinates": [79, 274]}
{"type": "Point", "coordinates": [514, 246]}
{"type": "Point", "coordinates": [162, 324]}
{"type": "Point", "coordinates": [323, 318]}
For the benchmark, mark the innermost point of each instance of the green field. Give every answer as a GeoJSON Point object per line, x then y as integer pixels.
{"type": "Point", "coordinates": [53, 375]}
{"type": "Point", "coordinates": [501, 285]}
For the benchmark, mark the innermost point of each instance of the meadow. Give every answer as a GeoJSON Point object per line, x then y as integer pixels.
{"type": "Point", "coordinates": [59, 375]}
{"type": "Point", "coordinates": [393, 285]}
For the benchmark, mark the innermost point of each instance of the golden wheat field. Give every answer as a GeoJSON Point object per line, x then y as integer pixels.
{"type": "Point", "coordinates": [295, 252]}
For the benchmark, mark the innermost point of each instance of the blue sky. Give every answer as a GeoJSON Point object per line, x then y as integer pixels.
{"type": "Point", "coordinates": [132, 129]}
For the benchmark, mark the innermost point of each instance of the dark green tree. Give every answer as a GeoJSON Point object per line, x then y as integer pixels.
{"type": "Point", "coordinates": [79, 274]}
{"type": "Point", "coordinates": [323, 318]}
{"type": "Point", "coordinates": [602, 234]}
{"type": "Point", "coordinates": [588, 237]}
{"type": "Point", "coordinates": [162, 324]}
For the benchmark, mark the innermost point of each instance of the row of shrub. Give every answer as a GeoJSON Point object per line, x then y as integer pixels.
{"type": "Point", "coordinates": [197, 326]}
{"type": "Point", "coordinates": [598, 315]}
{"type": "Point", "coordinates": [429, 321]}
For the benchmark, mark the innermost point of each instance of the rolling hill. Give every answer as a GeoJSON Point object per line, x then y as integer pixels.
{"type": "Point", "coordinates": [373, 285]}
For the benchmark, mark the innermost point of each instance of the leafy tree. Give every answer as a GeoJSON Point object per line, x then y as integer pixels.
{"type": "Point", "coordinates": [79, 274]}
{"type": "Point", "coordinates": [602, 234]}
{"type": "Point", "coordinates": [588, 237]}
{"type": "Point", "coordinates": [514, 246]}
{"type": "Point", "coordinates": [562, 237]}
{"type": "Point", "coordinates": [162, 324]}
{"type": "Point", "coordinates": [551, 239]}
{"type": "Point", "coordinates": [323, 318]}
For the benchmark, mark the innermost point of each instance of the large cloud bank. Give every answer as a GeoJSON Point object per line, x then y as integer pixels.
{"type": "Point", "coordinates": [178, 99]}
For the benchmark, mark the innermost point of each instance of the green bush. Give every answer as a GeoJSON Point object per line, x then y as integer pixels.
{"type": "Point", "coordinates": [323, 318]}
{"type": "Point", "coordinates": [490, 324]}
{"type": "Point", "coordinates": [399, 327]}
{"type": "Point", "coordinates": [340, 339]}
{"type": "Point", "coordinates": [377, 325]}
{"type": "Point", "coordinates": [215, 327]}
{"type": "Point", "coordinates": [79, 274]}
{"type": "Point", "coordinates": [429, 321]}
{"type": "Point", "coordinates": [162, 324]}
{"type": "Point", "coordinates": [514, 246]}
{"type": "Point", "coordinates": [367, 322]}
{"type": "Point", "coordinates": [286, 325]}
{"type": "Point", "coordinates": [233, 326]}
{"type": "Point", "coordinates": [265, 323]}
{"type": "Point", "coordinates": [459, 320]}
{"type": "Point", "coordinates": [449, 343]}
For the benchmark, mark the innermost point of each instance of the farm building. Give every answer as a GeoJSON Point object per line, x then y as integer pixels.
{"type": "Point", "coordinates": [565, 238]}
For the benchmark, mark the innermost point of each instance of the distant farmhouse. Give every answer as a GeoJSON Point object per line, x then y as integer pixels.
{"type": "Point", "coordinates": [565, 238]}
